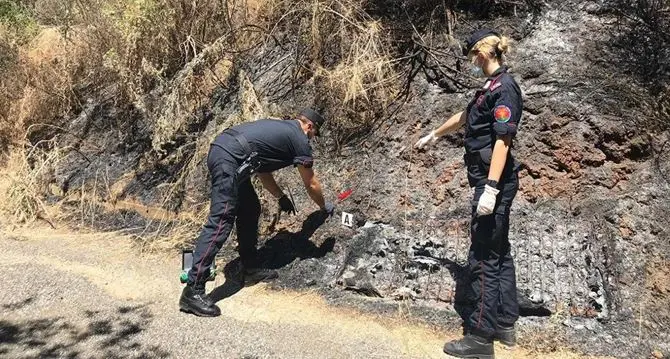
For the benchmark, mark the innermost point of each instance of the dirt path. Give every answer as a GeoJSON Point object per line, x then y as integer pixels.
{"type": "Point", "coordinates": [73, 295]}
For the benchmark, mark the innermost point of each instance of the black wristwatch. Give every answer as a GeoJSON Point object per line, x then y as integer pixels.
{"type": "Point", "coordinates": [492, 183]}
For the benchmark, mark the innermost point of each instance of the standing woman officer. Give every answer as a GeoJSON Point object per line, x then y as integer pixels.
{"type": "Point", "coordinates": [491, 120]}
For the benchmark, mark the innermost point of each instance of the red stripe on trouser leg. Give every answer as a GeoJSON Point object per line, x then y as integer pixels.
{"type": "Point", "coordinates": [211, 242]}
{"type": "Point", "coordinates": [481, 293]}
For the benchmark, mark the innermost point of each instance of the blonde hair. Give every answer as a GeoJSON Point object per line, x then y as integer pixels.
{"type": "Point", "coordinates": [495, 46]}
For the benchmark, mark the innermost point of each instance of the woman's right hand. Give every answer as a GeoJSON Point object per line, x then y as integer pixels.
{"type": "Point", "coordinates": [429, 138]}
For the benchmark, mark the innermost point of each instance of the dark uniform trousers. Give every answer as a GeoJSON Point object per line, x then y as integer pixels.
{"type": "Point", "coordinates": [231, 203]}
{"type": "Point", "coordinates": [492, 275]}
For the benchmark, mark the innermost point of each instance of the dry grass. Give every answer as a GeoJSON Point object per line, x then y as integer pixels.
{"type": "Point", "coordinates": [11, 85]}
{"type": "Point", "coordinates": [348, 57]}
{"type": "Point", "coordinates": [548, 340]}
{"type": "Point", "coordinates": [25, 182]}
{"type": "Point", "coordinates": [366, 63]}
{"type": "Point", "coordinates": [167, 234]}
{"type": "Point", "coordinates": [106, 49]}
{"type": "Point", "coordinates": [166, 57]}
{"type": "Point", "coordinates": [39, 90]}
{"type": "Point", "coordinates": [186, 94]}
{"type": "Point", "coordinates": [48, 96]}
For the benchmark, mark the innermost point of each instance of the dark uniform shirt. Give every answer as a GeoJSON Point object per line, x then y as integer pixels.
{"type": "Point", "coordinates": [494, 111]}
{"type": "Point", "coordinates": [279, 143]}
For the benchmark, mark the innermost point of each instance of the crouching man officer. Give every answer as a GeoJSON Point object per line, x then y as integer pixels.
{"type": "Point", "coordinates": [258, 147]}
{"type": "Point", "coordinates": [491, 120]}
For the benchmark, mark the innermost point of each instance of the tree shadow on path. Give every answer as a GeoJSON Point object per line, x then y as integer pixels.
{"type": "Point", "coordinates": [108, 334]}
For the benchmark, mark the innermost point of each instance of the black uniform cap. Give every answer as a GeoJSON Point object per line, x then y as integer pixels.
{"type": "Point", "coordinates": [475, 37]}
{"type": "Point", "coordinates": [315, 117]}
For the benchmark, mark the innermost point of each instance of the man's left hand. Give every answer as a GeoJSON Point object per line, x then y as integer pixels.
{"type": "Point", "coordinates": [487, 201]}
{"type": "Point", "coordinates": [285, 205]}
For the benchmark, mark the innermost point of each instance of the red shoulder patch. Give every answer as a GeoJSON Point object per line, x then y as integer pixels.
{"type": "Point", "coordinates": [502, 113]}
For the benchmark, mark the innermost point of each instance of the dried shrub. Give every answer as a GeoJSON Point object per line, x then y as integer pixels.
{"type": "Point", "coordinates": [642, 29]}
{"type": "Point", "coordinates": [29, 172]}
{"type": "Point", "coordinates": [347, 56]}
{"type": "Point", "coordinates": [12, 82]}
{"type": "Point", "coordinates": [146, 42]}
{"type": "Point", "coordinates": [639, 48]}
{"type": "Point", "coordinates": [17, 27]}
{"type": "Point", "coordinates": [48, 96]}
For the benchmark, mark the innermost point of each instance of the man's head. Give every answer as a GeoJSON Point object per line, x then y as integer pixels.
{"type": "Point", "coordinates": [311, 121]}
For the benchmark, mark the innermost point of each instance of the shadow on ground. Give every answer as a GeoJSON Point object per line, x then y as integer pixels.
{"type": "Point", "coordinates": [109, 335]}
{"type": "Point", "coordinates": [279, 251]}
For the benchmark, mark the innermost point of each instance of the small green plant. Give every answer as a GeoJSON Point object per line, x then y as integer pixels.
{"type": "Point", "coordinates": [18, 21]}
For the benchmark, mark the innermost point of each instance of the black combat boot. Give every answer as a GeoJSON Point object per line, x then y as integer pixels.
{"type": "Point", "coordinates": [505, 335]}
{"type": "Point", "coordinates": [470, 346]}
{"type": "Point", "coordinates": [254, 275]}
{"type": "Point", "coordinates": [193, 300]}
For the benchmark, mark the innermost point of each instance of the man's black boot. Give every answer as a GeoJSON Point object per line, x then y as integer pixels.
{"type": "Point", "coordinates": [505, 335]}
{"type": "Point", "coordinates": [470, 346]}
{"type": "Point", "coordinates": [254, 274]}
{"type": "Point", "coordinates": [193, 300]}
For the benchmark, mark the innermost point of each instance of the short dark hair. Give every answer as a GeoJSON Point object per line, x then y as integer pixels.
{"type": "Point", "coordinates": [313, 116]}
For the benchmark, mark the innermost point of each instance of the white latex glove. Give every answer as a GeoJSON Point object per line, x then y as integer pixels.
{"type": "Point", "coordinates": [487, 201]}
{"type": "Point", "coordinates": [425, 139]}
